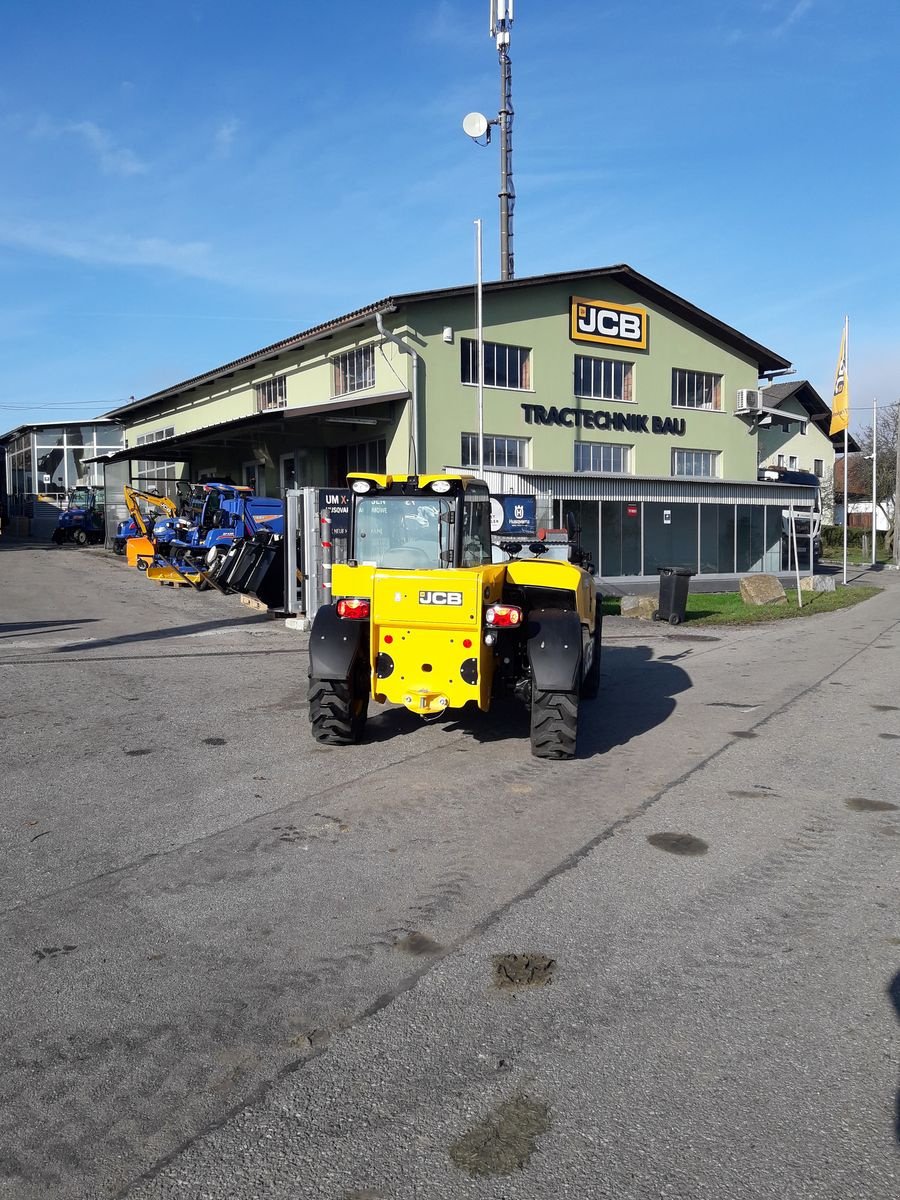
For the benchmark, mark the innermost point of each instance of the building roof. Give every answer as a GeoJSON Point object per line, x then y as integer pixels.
{"type": "Point", "coordinates": [815, 407]}
{"type": "Point", "coordinates": [767, 360]}
{"type": "Point", "coordinates": [31, 426]}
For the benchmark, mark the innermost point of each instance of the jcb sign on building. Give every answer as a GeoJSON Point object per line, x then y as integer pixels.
{"type": "Point", "coordinates": [609, 324]}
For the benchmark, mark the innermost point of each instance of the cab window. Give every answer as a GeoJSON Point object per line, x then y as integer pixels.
{"type": "Point", "coordinates": [476, 528]}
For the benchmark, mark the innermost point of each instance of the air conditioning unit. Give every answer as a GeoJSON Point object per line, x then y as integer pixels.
{"type": "Point", "coordinates": [749, 398]}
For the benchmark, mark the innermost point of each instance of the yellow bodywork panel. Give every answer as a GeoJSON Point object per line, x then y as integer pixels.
{"type": "Point", "coordinates": [139, 548]}
{"type": "Point", "coordinates": [420, 623]}
{"type": "Point", "coordinates": [564, 576]}
{"type": "Point", "coordinates": [167, 574]}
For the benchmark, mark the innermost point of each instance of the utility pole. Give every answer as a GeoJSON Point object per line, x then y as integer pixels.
{"type": "Point", "coordinates": [896, 546]}
{"type": "Point", "coordinates": [501, 23]}
{"type": "Point", "coordinates": [476, 125]}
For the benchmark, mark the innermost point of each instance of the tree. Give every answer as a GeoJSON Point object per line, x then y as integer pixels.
{"type": "Point", "coordinates": [888, 425]}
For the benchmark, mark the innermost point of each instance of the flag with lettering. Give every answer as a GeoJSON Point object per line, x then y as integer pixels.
{"type": "Point", "coordinates": [840, 401]}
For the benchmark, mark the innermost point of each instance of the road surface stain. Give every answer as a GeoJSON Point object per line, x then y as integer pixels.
{"type": "Point", "coordinates": [505, 1140]}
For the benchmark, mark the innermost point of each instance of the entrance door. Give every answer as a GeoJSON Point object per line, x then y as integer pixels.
{"type": "Point", "coordinates": [288, 471]}
{"type": "Point", "coordinates": [255, 477]}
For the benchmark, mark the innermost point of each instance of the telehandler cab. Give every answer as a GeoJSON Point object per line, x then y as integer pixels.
{"type": "Point", "coordinates": [422, 616]}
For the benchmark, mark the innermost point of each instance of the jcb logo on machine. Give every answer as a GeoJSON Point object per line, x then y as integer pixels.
{"type": "Point", "coordinates": [454, 598]}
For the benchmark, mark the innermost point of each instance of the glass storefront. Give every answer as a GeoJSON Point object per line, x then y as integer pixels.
{"type": "Point", "coordinates": [635, 538]}
{"type": "Point", "coordinates": [51, 460]}
{"type": "Point", "coordinates": [670, 536]}
{"type": "Point", "coordinates": [620, 538]}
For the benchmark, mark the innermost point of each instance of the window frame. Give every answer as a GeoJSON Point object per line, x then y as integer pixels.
{"type": "Point", "coordinates": [343, 380]}
{"type": "Point", "coordinates": [717, 406]}
{"type": "Point", "coordinates": [628, 373]}
{"type": "Point", "coordinates": [716, 473]}
{"type": "Point", "coordinates": [469, 455]}
{"type": "Point", "coordinates": [263, 402]}
{"type": "Point", "coordinates": [628, 451]}
{"type": "Point", "coordinates": [468, 365]}
{"type": "Point", "coordinates": [819, 468]}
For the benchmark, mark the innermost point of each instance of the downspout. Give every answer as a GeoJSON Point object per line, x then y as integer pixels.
{"type": "Point", "coordinates": [405, 348]}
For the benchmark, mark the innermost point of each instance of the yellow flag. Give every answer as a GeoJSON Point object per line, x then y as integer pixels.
{"type": "Point", "coordinates": [840, 403]}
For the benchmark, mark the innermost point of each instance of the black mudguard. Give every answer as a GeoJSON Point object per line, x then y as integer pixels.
{"type": "Point", "coordinates": [334, 644]}
{"type": "Point", "coordinates": [554, 649]}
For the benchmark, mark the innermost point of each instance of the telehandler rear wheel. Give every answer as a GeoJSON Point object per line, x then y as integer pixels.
{"type": "Point", "coordinates": [590, 685]}
{"type": "Point", "coordinates": [337, 711]}
{"type": "Point", "coordinates": [554, 723]}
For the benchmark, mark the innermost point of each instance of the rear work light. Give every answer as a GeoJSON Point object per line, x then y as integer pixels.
{"type": "Point", "coordinates": [503, 616]}
{"type": "Point", "coordinates": [353, 610]}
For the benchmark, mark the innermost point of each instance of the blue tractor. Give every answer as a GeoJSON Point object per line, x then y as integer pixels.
{"type": "Point", "coordinates": [83, 520]}
{"type": "Point", "coordinates": [227, 514]}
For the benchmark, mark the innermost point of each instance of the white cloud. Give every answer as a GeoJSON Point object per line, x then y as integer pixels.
{"type": "Point", "coordinates": [225, 135]}
{"type": "Point", "coordinates": [105, 249]}
{"type": "Point", "coordinates": [447, 26]}
{"type": "Point", "coordinates": [797, 10]}
{"type": "Point", "coordinates": [113, 159]}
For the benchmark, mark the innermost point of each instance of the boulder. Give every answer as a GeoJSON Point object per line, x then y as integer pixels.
{"type": "Point", "coordinates": [642, 607]}
{"type": "Point", "coordinates": [762, 589]}
{"type": "Point", "coordinates": [818, 583]}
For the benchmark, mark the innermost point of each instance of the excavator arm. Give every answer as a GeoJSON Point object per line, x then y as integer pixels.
{"type": "Point", "coordinates": [133, 499]}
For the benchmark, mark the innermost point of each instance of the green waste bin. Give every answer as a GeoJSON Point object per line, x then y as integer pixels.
{"type": "Point", "coordinates": [674, 584]}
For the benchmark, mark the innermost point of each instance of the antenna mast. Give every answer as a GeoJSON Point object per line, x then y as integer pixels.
{"type": "Point", "coordinates": [501, 24]}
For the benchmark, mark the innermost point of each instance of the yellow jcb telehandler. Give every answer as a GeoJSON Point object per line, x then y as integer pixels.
{"type": "Point", "coordinates": [422, 616]}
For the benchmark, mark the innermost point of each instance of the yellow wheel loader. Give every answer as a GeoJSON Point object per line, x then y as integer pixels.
{"type": "Point", "coordinates": [422, 616]}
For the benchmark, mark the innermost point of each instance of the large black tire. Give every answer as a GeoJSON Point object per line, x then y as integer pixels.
{"type": "Point", "coordinates": [590, 685]}
{"type": "Point", "coordinates": [337, 711]}
{"type": "Point", "coordinates": [554, 723]}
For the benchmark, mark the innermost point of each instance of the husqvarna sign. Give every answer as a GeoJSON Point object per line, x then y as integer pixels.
{"type": "Point", "coordinates": [608, 324]}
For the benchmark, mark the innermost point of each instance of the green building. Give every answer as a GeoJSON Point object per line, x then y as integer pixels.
{"type": "Point", "coordinates": [603, 394]}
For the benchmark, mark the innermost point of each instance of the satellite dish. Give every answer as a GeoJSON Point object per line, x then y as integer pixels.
{"type": "Point", "coordinates": [475, 124]}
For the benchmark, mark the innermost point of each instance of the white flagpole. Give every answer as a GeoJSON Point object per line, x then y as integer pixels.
{"type": "Point", "coordinates": [479, 318]}
{"type": "Point", "coordinates": [874, 474]}
{"type": "Point", "coordinates": [846, 429]}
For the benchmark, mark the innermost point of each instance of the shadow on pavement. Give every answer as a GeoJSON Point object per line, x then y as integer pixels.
{"type": "Point", "coordinates": [14, 628]}
{"type": "Point", "coordinates": [156, 635]}
{"type": "Point", "coordinates": [637, 693]}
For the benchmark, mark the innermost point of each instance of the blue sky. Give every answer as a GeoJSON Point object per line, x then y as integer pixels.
{"type": "Point", "coordinates": [185, 182]}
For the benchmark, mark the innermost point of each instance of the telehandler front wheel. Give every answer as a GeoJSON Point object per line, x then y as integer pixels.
{"type": "Point", "coordinates": [554, 723]}
{"type": "Point", "coordinates": [337, 711]}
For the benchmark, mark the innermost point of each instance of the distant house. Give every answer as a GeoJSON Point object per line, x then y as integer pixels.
{"type": "Point", "coordinates": [793, 434]}
{"type": "Point", "coordinates": [859, 495]}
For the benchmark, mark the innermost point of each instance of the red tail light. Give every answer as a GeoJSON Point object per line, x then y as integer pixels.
{"type": "Point", "coordinates": [353, 610]}
{"type": "Point", "coordinates": [503, 616]}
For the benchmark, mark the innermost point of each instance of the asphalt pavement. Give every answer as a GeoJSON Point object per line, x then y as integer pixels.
{"type": "Point", "coordinates": [241, 965]}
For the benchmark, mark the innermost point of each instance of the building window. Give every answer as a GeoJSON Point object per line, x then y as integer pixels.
{"type": "Point", "coordinates": [272, 394]}
{"type": "Point", "coordinates": [792, 462]}
{"type": "Point", "coordinates": [354, 370]}
{"type": "Point", "coordinates": [499, 452]}
{"type": "Point", "coordinates": [148, 469]}
{"type": "Point", "coordinates": [696, 462]}
{"type": "Point", "coordinates": [603, 456]}
{"type": "Point", "coordinates": [368, 456]}
{"type": "Point", "coordinates": [602, 379]}
{"type": "Point", "coordinates": [780, 460]}
{"type": "Point", "coordinates": [696, 389]}
{"type": "Point", "coordinates": [504, 366]}
{"type": "Point", "coordinates": [818, 467]}
{"type": "Point", "coordinates": [158, 435]}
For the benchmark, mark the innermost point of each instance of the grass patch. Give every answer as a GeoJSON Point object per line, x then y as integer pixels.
{"type": "Point", "coordinates": [727, 608]}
